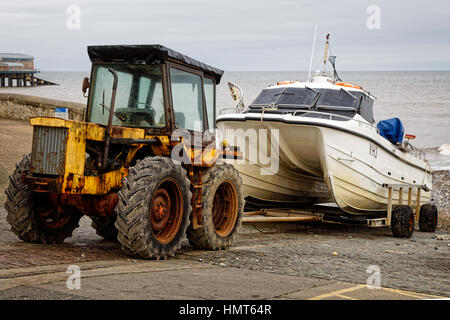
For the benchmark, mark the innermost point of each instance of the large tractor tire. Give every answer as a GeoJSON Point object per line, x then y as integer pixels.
{"type": "Point", "coordinates": [428, 218]}
{"type": "Point", "coordinates": [154, 208]}
{"type": "Point", "coordinates": [402, 222]}
{"type": "Point", "coordinates": [223, 205]}
{"type": "Point", "coordinates": [31, 217]}
{"type": "Point", "coordinates": [105, 227]}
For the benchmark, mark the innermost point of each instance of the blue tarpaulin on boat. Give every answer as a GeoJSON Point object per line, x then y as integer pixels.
{"type": "Point", "coordinates": [391, 129]}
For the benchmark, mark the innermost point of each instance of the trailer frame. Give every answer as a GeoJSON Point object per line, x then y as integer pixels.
{"type": "Point", "coordinates": [333, 214]}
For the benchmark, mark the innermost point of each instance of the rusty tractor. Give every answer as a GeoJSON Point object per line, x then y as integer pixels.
{"type": "Point", "coordinates": [144, 164]}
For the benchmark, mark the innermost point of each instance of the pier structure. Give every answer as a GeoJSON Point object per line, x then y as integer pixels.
{"type": "Point", "coordinates": [18, 70]}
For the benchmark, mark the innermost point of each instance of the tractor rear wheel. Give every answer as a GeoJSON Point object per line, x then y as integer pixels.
{"type": "Point", "coordinates": [223, 205]}
{"type": "Point", "coordinates": [402, 221]}
{"type": "Point", "coordinates": [105, 227]}
{"type": "Point", "coordinates": [154, 208]}
{"type": "Point", "coordinates": [428, 218]}
{"type": "Point", "coordinates": [32, 217]}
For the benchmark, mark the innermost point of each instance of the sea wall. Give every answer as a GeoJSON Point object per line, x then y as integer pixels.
{"type": "Point", "coordinates": [23, 107]}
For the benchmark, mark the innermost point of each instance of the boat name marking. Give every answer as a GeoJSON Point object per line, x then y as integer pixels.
{"type": "Point", "coordinates": [373, 150]}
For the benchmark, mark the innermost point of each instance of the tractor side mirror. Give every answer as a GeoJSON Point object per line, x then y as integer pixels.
{"type": "Point", "coordinates": [85, 86]}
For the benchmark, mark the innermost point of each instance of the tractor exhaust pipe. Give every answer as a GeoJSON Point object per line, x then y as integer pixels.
{"type": "Point", "coordinates": [111, 114]}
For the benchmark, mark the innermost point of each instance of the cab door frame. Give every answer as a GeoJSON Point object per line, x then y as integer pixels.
{"type": "Point", "coordinates": [171, 64]}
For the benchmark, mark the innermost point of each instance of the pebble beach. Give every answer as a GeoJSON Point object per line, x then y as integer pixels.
{"type": "Point", "coordinates": [441, 196]}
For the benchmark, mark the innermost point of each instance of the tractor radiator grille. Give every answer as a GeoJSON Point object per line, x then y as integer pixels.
{"type": "Point", "coordinates": [49, 150]}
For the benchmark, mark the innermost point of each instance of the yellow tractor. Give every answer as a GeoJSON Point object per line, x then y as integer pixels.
{"type": "Point", "coordinates": [144, 165]}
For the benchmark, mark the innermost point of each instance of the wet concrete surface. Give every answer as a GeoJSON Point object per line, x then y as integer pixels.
{"type": "Point", "coordinates": [276, 261]}
{"type": "Point", "coordinates": [343, 253]}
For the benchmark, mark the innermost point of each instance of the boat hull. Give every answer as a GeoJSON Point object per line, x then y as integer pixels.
{"type": "Point", "coordinates": [285, 183]}
{"type": "Point", "coordinates": [342, 161]}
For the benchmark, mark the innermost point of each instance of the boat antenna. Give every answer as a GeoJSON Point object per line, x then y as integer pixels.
{"type": "Point", "coordinates": [312, 54]}
{"type": "Point", "coordinates": [325, 56]}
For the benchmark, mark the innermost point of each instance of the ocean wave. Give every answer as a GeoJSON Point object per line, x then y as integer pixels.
{"type": "Point", "coordinates": [444, 150]}
{"type": "Point", "coordinates": [438, 157]}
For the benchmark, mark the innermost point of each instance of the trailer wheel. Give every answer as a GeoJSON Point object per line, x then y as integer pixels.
{"type": "Point", "coordinates": [32, 217]}
{"type": "Point", "coordinates": [105, 227]}
{"type": "Point", "coordinates": [402, 222]}
{"type": "Point", "coordinates": [428, 218]}
{"type": "Point", "coordinates": [223, 204]}
{"type": "Point", "coordinates": [153, 209]}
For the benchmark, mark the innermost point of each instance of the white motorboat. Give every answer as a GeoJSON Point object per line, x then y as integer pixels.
{"type": "Point", "coordinates": [323, 136]}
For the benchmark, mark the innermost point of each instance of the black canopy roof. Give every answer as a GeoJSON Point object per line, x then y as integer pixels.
{"type": "Point", "coordinates": [146, 54]}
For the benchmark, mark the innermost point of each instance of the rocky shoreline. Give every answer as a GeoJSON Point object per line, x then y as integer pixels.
{"type": "Point", "coordinates": [441, 191]}
{"type": "Point", "coordinates": [441, 196]}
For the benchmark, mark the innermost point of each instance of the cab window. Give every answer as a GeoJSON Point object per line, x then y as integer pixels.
{"type": "Point", "coordinates": [139, 96]}
{"type": "Point", "coordinates": [209, 98]}
{"type": "Point", "coordinates": [187, 99]}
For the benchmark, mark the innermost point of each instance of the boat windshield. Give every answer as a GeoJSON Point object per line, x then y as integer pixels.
{"type": "Point", "coordinates": [338, 99]}
{"type": "Point", "coordinates": [288, 100]}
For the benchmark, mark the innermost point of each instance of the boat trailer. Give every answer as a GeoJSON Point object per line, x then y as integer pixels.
{"type": "Point", "coordinates": [331, 213]}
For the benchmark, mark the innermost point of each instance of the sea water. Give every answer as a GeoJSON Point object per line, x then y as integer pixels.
{"type": "Point", "coordinates": [421, 99]}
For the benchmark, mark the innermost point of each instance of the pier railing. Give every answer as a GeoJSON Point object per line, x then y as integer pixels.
{"type": "Point", "coordinates": [21, 78]}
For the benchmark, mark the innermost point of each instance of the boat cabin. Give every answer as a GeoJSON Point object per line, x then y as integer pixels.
{"type": "Point", "coordinates": [324, 96]}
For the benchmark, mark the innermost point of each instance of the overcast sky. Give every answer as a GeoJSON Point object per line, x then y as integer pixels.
{"type": "Point", "coordinates": [235, 35]}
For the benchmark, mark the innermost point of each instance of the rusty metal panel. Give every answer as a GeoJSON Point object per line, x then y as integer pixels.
{"type": "Point", "coordinates": [48, 150]}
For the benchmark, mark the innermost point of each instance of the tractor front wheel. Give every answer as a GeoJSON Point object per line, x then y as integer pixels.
{"type": "Point", "coordinates": [223, 205]}
{"type": "Point", "coordinates": [32, 217]}
{"type": "Point", "coordinates": [153, 209]}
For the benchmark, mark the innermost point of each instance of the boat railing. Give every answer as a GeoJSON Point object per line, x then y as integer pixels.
{"type": "Point", "coordinates": [229, 110]}
{"type": "Point", "coordinates": [414, 151]}
{"type": "Point", "coordinates": [333, 115]}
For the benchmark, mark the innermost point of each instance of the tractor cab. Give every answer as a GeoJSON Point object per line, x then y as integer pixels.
{"type": "Point", "coordinates": [150, 87]}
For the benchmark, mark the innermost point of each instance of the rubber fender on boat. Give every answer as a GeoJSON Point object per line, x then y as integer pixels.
{"type": "Point", "coordinates": [350, 85]}
{"type": "Point", "coordinates": [284, 82]}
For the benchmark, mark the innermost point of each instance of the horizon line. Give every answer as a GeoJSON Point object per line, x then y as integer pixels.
{"type": "Point", "coordinates": [400, 70]}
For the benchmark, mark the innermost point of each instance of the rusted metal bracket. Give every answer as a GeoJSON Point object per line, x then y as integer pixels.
{"type": "Point", "coordinates": [133, 141]}
{"type": "Point", "coordinates": [195, 177]}
{"type": "Point", "coordinates": [90, 205]}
